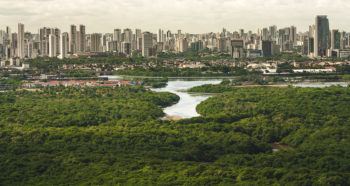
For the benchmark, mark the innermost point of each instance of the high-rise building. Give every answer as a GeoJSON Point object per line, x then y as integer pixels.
{"type": "Point", "coordinates": [57, 33]}
{"type": "Point", "coordinates": [128, 35]}
{"type": "Point", "coordinates": [14, 44]}
{"type": "Point", "coordinates": [265, 34]}
{"type": "Point", "coordinates": [241, 33]}
{"type": "Point", "coordinates": [179, 34]}
{"type": "Point", "coordinates": [182, 45]}
{"type": "Point", "coordinates": [160, 35]}
{"type": "Point", "coordinates": [221, 44]}
{"type": "Point", "coordinates": [78, 41]}
{"type": "Point", "coordinates": [73, 39]}
{"type": "Point", "coordinates": [236, 48]}
{"type": "Point", "coordinates": [138, 39]}
{"type": "Point", "coordinates": [117, 35]}
{"type": "Point", "coordinates": [335, 40]}
{"type": "Point", "coordinates": [8, 32]}
{"type": "Point", "coordinates": [82, 43]}
{"type": "Point", "coordinates": [138, 33]}
{"type": "Point", "coordinates": [168, 35]}
{"type": "Point", "coordinates": [44, 41]}
{"type": "Point", "coordinates": [147, 44]}
{"type": "Point", "coordinates": [197, 46]}
{"type": "Point", "coordinates": [273, 33]}
{"type": "Point", "coordinates": [311, 46]}
{"type": "Point", "coordinates": [293, 35]}
{"type": "Point", "coordinates": [96, 42]}
{"type": "Point", "coordinates": [267, 48]}
{"type": "Point", "coordinates": [52, 46]}
{"type": "Point", "coordinates": [20, 40]}
{"type": "Point", "coordinates": [64, 42]}
{"type": "Point", "coordinates": [321, 36]}
{"type": "Point", "coordinates": [126, 48]}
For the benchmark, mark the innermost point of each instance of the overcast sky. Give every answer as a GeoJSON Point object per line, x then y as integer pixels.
{"type": "Point", "coordinates": [194, 16]}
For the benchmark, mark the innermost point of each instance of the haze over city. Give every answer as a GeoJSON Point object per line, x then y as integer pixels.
{"type": "Point", "coordinates": [198, 16]}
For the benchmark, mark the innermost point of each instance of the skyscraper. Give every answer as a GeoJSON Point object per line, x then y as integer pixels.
{"type": "Point", "coordinates": [64, 45]}
{"type": "Point", "coordinates": [321, 36]}
{"type": "Point", "coordinates": [335, 39]}
{"type": "Point", "coordinates": [8, 32]}
{"type": "Point", "coordinates": [160, 35]}
{"type": "Point", "coordinates": [147, 44]}
{"type": "Point", "coordinates": [293, 35]}
{"type": "Point", "coordinates": [73, 39]}
{"type": "Point", "coordinates": [273, 32]}
{"type": "Point", "coordinates": [117, 35]}
{"type": "Point", "coordinates": [20, 40]}
{"type": "Point", "coordinates": [128, 35]}
{"type": "Point", "coordinates": [52, 46]}
{"type": "Point", "coordinates": [182, 45]}
{"type": "Point", "coordinates": [267, 48]}
{"type": "Point", "coordinates": [44, 41]}
{"type": "Point", "coordinates": [265, 34]}
{"type": "Point", "coordinates": [57, 33]}
{"type": "Point", "coordinates": [96, 42]}
{"type": "Point", "coordinates": [82, 44]}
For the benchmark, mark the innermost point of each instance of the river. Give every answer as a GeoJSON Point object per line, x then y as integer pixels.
{"type": "Point", "coordinates": [186, 107]}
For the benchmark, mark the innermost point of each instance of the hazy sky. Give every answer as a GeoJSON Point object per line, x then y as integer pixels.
{"type": "Point", "coordinates": [195, 16]}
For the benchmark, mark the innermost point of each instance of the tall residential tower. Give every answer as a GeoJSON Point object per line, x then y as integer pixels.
{"type": "Point", "coordinates": [321, 36]}
{"type": "Point", "coordinates": [20, 40]}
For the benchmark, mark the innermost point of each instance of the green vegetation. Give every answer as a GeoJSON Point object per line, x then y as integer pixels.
{"type": "Point", "coordinates": [43, 63]}
{"type": "Point", "coordinates": [78, 73]}
{"type": "Point", "coordinates": [207, 55]}
{"type": "Point", "coordinates": [62, 107]}
{"type": "Point", "coordinates": [10, 83]}
{"type": "Point", "coordinates": [204, 55]}
{"type": "Point", "coordinates": [103, 136]}
{"type": "Point", "coordinates": [224, 86]}
{"type": "Point", "coordinates": [155, 82]}
{"type": "Point", "coordinates": [230, 85]}
{"type": "Point", "coordinates": [184, 72]}
{"type": "Point", "coordinates": [55, 66]}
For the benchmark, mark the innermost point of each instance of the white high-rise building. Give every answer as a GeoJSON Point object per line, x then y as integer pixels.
{"type": "Point", "coordinates": [128, 35]}
{"type": "Point", "coordinates": [182, 45]}
{"type": "Point", "coordinates": [52, 46]}
{"type": "Point", "coordinates": [20, 40]}
{"type": "Point", "coordinates": [117, 35]}
{"type": "Point", "coordinates": [64, 42]}
{"type": "Point", "coordinates": [147, 44]}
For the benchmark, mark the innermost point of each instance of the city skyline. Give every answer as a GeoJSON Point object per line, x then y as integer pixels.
{"type": "Point", "coordinates": [199, 16]}
{"type": "Point", "coordinates": [319, 41]}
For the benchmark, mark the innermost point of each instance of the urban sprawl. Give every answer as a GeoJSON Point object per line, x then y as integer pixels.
{"type": "Point", "coordinates": [318, 42]}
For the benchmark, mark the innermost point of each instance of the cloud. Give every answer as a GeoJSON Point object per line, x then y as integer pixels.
{"type": "Point", "coordinates": [197, 16]}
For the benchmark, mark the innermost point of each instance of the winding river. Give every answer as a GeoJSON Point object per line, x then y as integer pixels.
{"type": "Point", "coordinates": [186, 107]}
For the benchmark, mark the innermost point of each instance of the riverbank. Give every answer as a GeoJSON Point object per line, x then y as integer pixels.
{"type": "Point", "coordinates": [172, 118]}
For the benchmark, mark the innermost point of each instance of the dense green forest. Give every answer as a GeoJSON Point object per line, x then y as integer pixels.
{"type": "Point", "coordinates": [61, 107]}
{"type": "Point", "coordinates": [103, 136]}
